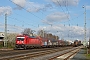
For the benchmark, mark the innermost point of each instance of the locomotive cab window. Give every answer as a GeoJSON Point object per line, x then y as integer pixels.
{"type": "Point", "coordinates": [20, 38]}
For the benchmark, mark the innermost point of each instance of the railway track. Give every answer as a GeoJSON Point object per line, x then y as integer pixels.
{"type": "Point", "coordinates": [5, 52]}
{"type": "Point", "coordinates": [16, 55]}
{"type": "Point", "coordinates": [66, 55]}
{"type": "Point", "coordinates": [11, 52]}
{"type": "Point", "coordinates": [56, 55]}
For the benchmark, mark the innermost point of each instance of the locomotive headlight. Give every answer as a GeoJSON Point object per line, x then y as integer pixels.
{"type": "Point", "coordinates": [17, 41]}
{"type": "Point", "coordinates": [22, 42]}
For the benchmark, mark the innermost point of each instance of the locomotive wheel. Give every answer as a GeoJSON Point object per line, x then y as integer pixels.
{"type": "Point", "coordinates": [25, 47]}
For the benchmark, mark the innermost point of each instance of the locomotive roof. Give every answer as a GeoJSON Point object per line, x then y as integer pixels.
{"type": "Point", "coordinates": [32, 36]}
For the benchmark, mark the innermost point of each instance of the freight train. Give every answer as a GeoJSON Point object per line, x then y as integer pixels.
{"type": "Point", "coordinates": [77, 43]}
{"type": "Point", "coordinates": [26, 41]}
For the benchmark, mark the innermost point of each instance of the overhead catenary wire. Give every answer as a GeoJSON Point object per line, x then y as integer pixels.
{"type": "Point", "coordinates": [57, 1]}
{"type": "Point", "coordinates": [26, 10]}
{"type": "Point", "coordinates": [41, 18]}
{"type": "Point", "coordinates": [29, 12]}
{"type": "Point", "coordinates": [66, 4]}
{"type": "Point", "coordinates": [11, 26]}
{"type": "Point", "coordinates": [25, 18]}
{"type": "Point", "coordinates": [21, 21]}
{"type": "Point", "coordinates": [62, 9]}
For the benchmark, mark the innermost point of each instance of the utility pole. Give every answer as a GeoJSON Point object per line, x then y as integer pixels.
{"type": "Point", "coordinates": [85, 24]}
{"type": "Point", "coordinates": [85, 27]}
{"type": "Point", "coordinates": [5, 33]}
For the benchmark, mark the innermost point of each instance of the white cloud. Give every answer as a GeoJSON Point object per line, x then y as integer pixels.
{"type": "Point", "coordinates": [56, 17]}
{"type": "Point", "coordinates": [4, 10]}
{"type": "Point", "coordinates": [67, 32]}
{"type": "Point", "coordinates": [20, 3]}
{"type": "Point", "coordinates": [31, 6]}
{"type": "Point", "coordinates": [88, 7]}
{"type": "Point", "coordinates": [65, 2]}
{"type": "Point", "coordinates": [34, 7]}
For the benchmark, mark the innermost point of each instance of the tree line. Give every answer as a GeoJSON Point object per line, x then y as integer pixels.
{"type": "Point", "coordinates": [11, 37]}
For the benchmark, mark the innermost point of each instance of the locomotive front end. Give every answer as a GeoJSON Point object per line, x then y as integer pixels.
{"type": "Point", "coordinates": [20, 42]}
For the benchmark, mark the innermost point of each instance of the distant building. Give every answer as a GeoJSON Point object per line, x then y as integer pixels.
{"type": "Point", "coordinates": [1, 36]}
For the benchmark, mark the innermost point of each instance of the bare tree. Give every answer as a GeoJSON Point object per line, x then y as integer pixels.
{"type": "Point", "coordinates": [47, 35]}
{"type": "Point", "coordinates": [40, 33]}
{"type": "Point", "coordinates": [11, 39]}
{"type": "Point", "coordinates": [27, 31]}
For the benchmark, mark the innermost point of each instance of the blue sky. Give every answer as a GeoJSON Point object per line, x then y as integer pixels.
{"type": "Point", "coordinates": [65, 16]}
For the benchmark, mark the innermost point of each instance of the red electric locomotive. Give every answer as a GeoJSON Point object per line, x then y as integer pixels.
{"type": "Point", "coordinates": [25, 41]}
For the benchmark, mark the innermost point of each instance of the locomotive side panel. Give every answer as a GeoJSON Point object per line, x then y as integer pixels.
{"type": "Point", "coordinates": [34, 42]}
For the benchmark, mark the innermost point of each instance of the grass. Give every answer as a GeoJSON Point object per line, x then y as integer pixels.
{"type": "Point", "coordinates": [9, 45]}
{"type": "Point", "coordinates": [88, 55]}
